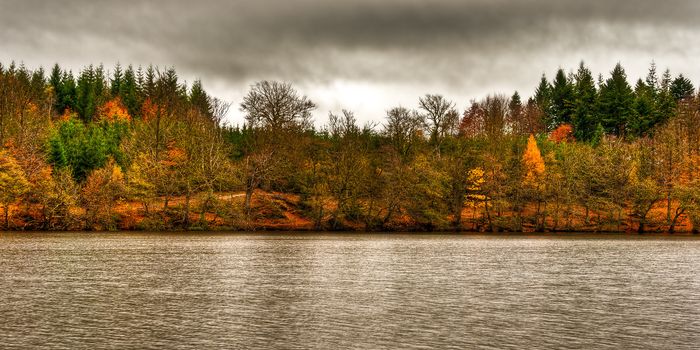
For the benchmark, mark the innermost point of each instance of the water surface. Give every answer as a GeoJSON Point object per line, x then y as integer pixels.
{"type": "Point", "coordinates": [286, 291]}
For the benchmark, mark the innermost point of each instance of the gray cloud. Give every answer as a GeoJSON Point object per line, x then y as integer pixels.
{"type": "Point", "coordinates": [398, 49]}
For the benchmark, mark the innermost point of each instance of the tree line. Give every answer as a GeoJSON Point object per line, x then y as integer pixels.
{"type": "Point", "coordinates": [137, 148]}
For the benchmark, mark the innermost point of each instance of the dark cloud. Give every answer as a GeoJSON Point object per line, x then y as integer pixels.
{"type": "Point", "coordinates": [396, 48]}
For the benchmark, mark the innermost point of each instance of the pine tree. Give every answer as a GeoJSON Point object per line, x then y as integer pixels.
{"type": "Point", "coordinates": [665, 103]}
{"type": "Point", "coordinates": [652, 80]}
{"type": "Point", "coordinates": [199, 99]}
{"type": "Point", "coordinates": [67, 96]}
{"type": "Point", "coordinates": [584, 118]}
{"type": "Point", "coordinates": [149, 83]}
{"type": "Point", "coordinates": [616, 102]}
{"type": "Point", "coordinates": [543, 99]}
{"type": "Point", "coordinates": [129, 92]}
{"type": "Point", "coordinates": [682, 88]}
{"type": "Point", "coordinates": [562, 100]}
{"type": "Point", "coordinates": [86, 94]}
{"type": "Point", "coordinates": [117, 76]}
{"type": "Point", "coordinates": [55, 81]}
{"type": "Point", "coordinates": [515, 113]}
{"type": "Point", "coordinates": [645, 109]}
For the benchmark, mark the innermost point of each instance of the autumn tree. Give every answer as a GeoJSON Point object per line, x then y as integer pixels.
{"type": "Point", "coordinates": [346, 164]}
{"type": "Point", "coordinates": [534, 170]}
{"type": "Point", "coordinates": [13, 184]}
{"type": "Point", "coordinates": [278, 116]}
{"type": "Point", "coordinates": [101, 190]}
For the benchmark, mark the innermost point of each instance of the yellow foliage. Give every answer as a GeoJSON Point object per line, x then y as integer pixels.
{"type": "Point", "coordinates": [533, 162]}
{"type": "Point", "coordinates": [475, 179]}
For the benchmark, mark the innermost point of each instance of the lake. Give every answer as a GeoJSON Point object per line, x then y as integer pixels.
{"type": "Point", "coordinates": [343, 291]}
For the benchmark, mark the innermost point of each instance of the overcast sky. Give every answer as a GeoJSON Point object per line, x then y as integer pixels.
{"type": "Point", "coordinates": [363, 55]}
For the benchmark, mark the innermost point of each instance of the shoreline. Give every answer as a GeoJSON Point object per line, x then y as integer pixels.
{"type": "Point", "coordinates": [301, 233]}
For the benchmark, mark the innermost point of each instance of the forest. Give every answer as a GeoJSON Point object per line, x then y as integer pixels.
{"type": "Point", "coordinates": [136, 148]}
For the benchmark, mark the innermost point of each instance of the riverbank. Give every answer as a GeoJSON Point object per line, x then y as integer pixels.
{"type": "Point", "coordinates": [274, 211]}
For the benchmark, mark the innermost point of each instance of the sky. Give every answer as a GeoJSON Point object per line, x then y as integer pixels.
{"type": "Point", "coordinates": [363, 55]}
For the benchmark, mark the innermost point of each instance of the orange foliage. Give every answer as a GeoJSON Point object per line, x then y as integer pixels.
{"type": "Point", "coordinates": [149, 110]}
{"type": "Point", "coordinates": [175, 156]}
{"type": "Point", "coordinates": [533, 162]}
{"type": "Point", "coordinates": [66, 116]}
{"type": "Point", "coordinates": [563, 133]}
{"type": "Point", "coordinates": [113, 111]}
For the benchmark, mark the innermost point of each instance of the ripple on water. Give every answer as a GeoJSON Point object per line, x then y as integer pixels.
{"type": "Point", "coordinates": [77, 291]}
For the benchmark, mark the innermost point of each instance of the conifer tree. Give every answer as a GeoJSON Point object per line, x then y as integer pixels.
{"type": "Point", "coordinates": [681, 88]}
{"type": "Point", "coordinates": [616, 102]}
{"type": "Point", "coordinates": [645, 109]}
{"type": "Point", "coordinates": [116, 82]}
{"type": "Point", "coordinates": [562, 100]}
{"type": "Point", "coordinates": [199, 99]}
{"type": "Point", "coordinates": [584, 117]}
{"type": "Point", "coordinates": [533, 163]}
{"type": "Point", "coordinates": [129, 92]}
{"type": "Point", "coordinates": [543, 99]}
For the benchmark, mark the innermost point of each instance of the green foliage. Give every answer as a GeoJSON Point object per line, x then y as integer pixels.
{"type": "Point", "coordinates": [616, 103]}
{"type": "Point", "coordinates": [563, 100]}
{"type": "Point", "coordinates": [681, 88]}
{"type": "Point", "coordinates": [584, 114]}
{"type": "Point", "coordinates": [543, 99]}
{"type": "Point", "coordinates": [85, 148]}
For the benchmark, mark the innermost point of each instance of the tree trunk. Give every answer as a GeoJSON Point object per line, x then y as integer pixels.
{"type": "Point", "coordinates": [248, 197]}
{"type": "Point", "coordinates": [488, 216]}
{"type": "Point", "coordinates": [668, 207]}
{"type": "Point", "coordinates": [674, 221]}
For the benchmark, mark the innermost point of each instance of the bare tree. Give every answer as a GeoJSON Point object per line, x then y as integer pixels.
{"type": "Point", "coordinates": [487, 117]}
{"type": "Point", "coordinates": [404, 129]}
{"type": "Point", "coordinates": [274, 105]}
{"type": "Point", "coordinates": [441, 116]}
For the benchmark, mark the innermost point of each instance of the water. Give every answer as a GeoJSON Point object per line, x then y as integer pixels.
{"type": "Point", "coordinates": [196, 291]}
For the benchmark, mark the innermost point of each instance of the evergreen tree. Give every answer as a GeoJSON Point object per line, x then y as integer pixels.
{"type": "Point", "coordinates": [67, 95]}
{"type": "Point", "coordinates": [86, 94]}
{"type": "Point", "coordinates": [652, 80]}
{"type": "Point", "coordinates": [129, 92]}
{"type": "Point", "coordinates": [56, 83]}
{"type": "Point", "coordinates": [117, 76]}
{"type": "Point", "coordinates": [584, 118]}
{"type": "Point", "coordinates": [562, 100]}
{"type": "Point", "coordinates": [645, 109]}
{"type": "Point", "coordinates": [515, 107]}
{"type": "Point", "coordinates": [199, 99]}
{"type": "Point", "coordinates": [543, 99]}
{"type": "Point", "coordinates": [616, 102]}
{"type": "Point", "coordinates": [681, 88]}
{"type": "Point", "coordinates": [665, 103]}
{"type": "Point", "coordinates": [149, 82]}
